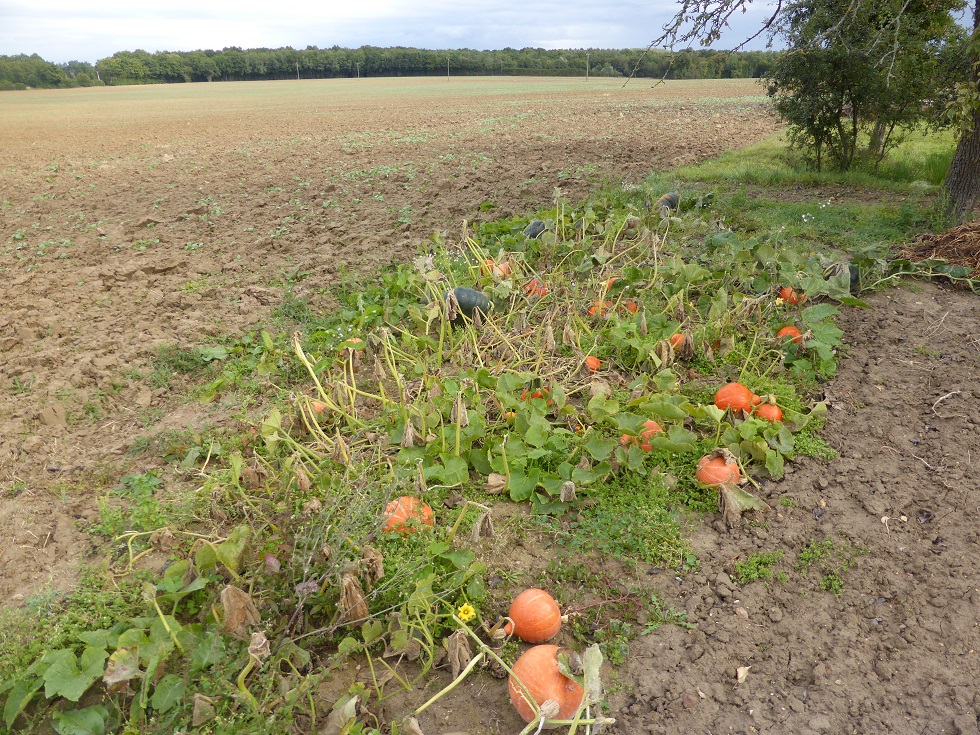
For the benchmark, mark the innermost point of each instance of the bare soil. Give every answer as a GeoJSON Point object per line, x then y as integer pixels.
{"type": "Point", "coordinates": [183, 215]}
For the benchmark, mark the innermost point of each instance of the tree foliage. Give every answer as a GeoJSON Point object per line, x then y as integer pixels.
{"type": "Point", "coordinates": [881, 31]}
{"type": "Point", "coordinates": [237, 64]}
{"type": "Point", "coordinates": [884, 71]}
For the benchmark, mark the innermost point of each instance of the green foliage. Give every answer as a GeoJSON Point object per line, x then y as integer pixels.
{"type": "Point", "coordinates": [831, 559]}
{"type": "Point", "coordinates": [757, 567]}
{"type": "Point", "coordinates": [836, 81]}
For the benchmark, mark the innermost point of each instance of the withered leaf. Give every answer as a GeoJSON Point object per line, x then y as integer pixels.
{"type": "Point", "coordinates": [123, 665]}
{"type": "Point", "coordinates": [240, 612]}
{"type": "Point", "coordinates": [162, 539]}
{"type": "Point", "coordinates": [259, 646]}
{"type": "Point", "coordinates": [458, 651]}
{"type": "Point", "coordinates": [341, 452]}
{"type": "Point", "coordinates": [353, 607]}
{"type": "Point", "coordinates": [741, 674]}
{"type": "Point", "coordinates": [567, 492]}
{"type": "Point", "coordinates": [483, 528]}
{"type": "Point", "coordinates": [496, 483]}
{"type": "Point", "coordinates": [302, 478]}
{"type": "Point", "coordinates": [568, 335]}
{"type": "Point", "coordinates": [340, 717]}
{"type": "Point", "coordinates": [408, 438]}
{"type": "Point", "coordinates": [599, 388]}
{"type": "Point", "coordinates": [373, 564]}
{"type": "Point", "coordinates": [203, 710]}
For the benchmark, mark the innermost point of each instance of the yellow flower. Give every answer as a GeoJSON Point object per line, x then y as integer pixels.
{"type": "Point", "coordinates": [466, 612]}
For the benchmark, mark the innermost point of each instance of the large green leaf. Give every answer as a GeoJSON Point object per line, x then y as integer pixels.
{"type": "Point", "coordinates": [167, 692]}
{"type": "Point", "coordinates": [86, 721]}
{"type": "Point", "coordinates": [70, 677]}
{"type": "Point", "coordinates": [600, 448]}
{"type": "Point", "coordinates": [18, 698]}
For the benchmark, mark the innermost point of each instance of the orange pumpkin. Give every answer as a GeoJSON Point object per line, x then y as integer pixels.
{"type": "Point", "coordinates": [490, 266]}
{"type": "Point", "coordinates": [608, 283]}
{"type": "Point", "coordinates": [406, 515]}
{"type": "Point", "coordinates": [769, 412]}
{"type": "Point", "coordinates": [676, 341]}
{"type": "Point", "coordinates": [737, 397]}
{"type": "Point", "coordinates": [599, 308]}
{"type": "Point", "coordinates": [717, 471]}
{"type": "Point", "coordinates": [535, 615]}
{"type": "Point", "coordinates": [535, 288]}
{"type": "Point", "coordinates": [629, 305]}
{"type": "Point", "coordinates": [537, 669]}
{"type": "Point", "coordinates": [790, 296]}
{"type": "Point", "coordinates": [540, 393]}
{"type": "Point", "coordinates": [592, 363]}
{"type": "Point", "coordinates": [650, 427]}
{"type": "Point", "coordinates": [790, 332]}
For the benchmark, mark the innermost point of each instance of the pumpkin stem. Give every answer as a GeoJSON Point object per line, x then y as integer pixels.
{"type": "Point", "coordinates": [477, 659]}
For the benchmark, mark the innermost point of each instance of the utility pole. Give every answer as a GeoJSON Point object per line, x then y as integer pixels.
{"type": "Point", "coordinates": [358, 65]}
{"type": "Point", "coordinates": [587, 55]}
{"type": "Point", "coordinates": [447, 68]}
{"type": "Point", "coordinates": [297, 71]}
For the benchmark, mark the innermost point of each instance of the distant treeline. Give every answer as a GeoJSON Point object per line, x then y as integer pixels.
{"type": "Point", "coordinates": [236, 64]}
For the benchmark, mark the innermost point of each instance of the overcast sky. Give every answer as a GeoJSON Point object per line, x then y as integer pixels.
{"type": "Point", "coordinates": [89, 30]}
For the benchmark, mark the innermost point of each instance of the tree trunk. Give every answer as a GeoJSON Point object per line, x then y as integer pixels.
{"type": "Point", "coordinates": [961, 187]}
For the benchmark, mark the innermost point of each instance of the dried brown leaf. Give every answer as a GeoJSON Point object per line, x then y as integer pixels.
{"type": "Point", "coordinates": [240, 612]}
{"type": "Point", "coordinates": [458, 650]}
{"type": "Point", "coordinates": [567, 494]}
{"type": "Point", "coordinates": [496, 483]}
{"type": "Point", "coordinates": [353, 607]}
{"type": "Point", "coordinates": [163, 539]}
{"type": "Point", "coordinates": [568, 336]}
{"type": "Point", "coordinates": [373, 564]}
{"type": "Point", "coordinates": [341, 452]}
{"type": "Point", "coordinates": [408, 438]}
{"type": "Point", "coordinates": [483, 528]}
{"type": "Point", "coordinates": [259, 646]}
{"type": "Point", "coordinates": [599, 387]}
{"type": "Point", "coordinates": [549, 338]}
{"type": "Point", "coordinates": [302, 479]}
{"type": "Point", "coordinates": [203, 710]}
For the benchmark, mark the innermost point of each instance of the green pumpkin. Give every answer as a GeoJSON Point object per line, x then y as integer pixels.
{"type": "Point", "coordinates": [470, 301]}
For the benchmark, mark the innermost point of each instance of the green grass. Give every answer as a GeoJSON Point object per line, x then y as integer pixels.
{"type": "Point", "coordinates": [831, 559]}
{"type": "Point", "coordinates": [757, 567]}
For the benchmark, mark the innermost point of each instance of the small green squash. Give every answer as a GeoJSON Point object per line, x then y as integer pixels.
{"type": "Point", "coordinates": [470, 301]}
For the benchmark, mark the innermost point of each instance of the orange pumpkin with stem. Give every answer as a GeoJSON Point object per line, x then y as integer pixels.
{"type": "Point", "coordinates": [406, 515]}
{"type": "Point", "coordinates": [737, 397]}
{"type": "Point", "coordinates": [717, 469]}
{"type": "Point", "coordinates": [787, 294]}
{"type": "Point", "coordinates": [535, 616]}
{"type": "Point", "coordinates": [592, 363]}
{"type": "Point", "coordinates": [537, 670]}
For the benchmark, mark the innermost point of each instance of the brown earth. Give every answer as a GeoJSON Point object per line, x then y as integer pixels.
{"type": "Point", "coordinates": [152, 262]}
